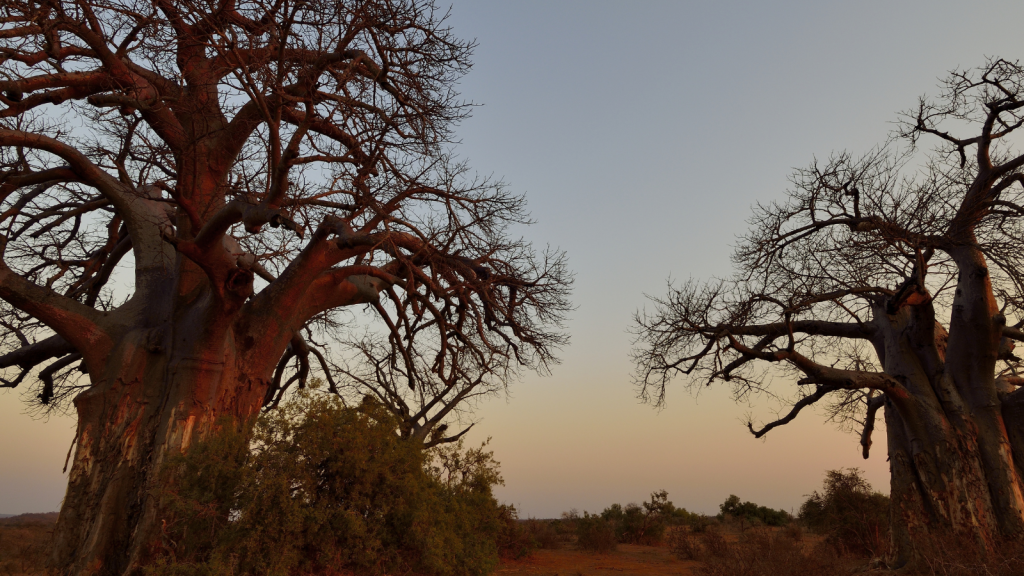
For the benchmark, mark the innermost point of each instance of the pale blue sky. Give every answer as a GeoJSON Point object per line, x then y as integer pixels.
{"type": "Point", "coordinates": [641, 133]}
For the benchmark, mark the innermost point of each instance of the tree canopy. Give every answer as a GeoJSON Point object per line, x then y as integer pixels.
{"type": "Point", "coordinates": [291, 157]}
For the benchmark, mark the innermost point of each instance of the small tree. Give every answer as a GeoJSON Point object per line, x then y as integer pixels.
{"type": "Point", "coordinates": [853, 516]}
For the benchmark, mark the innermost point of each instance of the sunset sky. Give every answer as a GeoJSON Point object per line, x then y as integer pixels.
{"type": "Point", "coordinates": [641, 134]}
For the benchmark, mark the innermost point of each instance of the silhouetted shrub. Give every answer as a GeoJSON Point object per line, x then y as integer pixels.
{"type": "Point", "coordinates": [853, 517]}
{"type": "Point", "coordinates": [515, 538]}
{"type": "Point", "coordinates": [323, 488]}
{"type": "Point", "coordinates": [544, 533]}
{"type": "Point", "coordinates": [752, 513]}
{"type": "Point", "coordinates": [642, 524]}
{"type": "Point", "coordinates": [565, 527]}
{"type": "Point", "coordinates": [646, 523]}
{"type": "Point", "coordinates": [700, 522]}
{"type": "Point", "coordinates": [595, 534]}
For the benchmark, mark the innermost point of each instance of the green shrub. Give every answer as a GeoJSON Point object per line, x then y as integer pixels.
{"type": "Point", "coordinates": [516, 539]}
{"type": "Point", "coordinates": [545, 533]}
{"type": "Point", "coordinates": [323, 487]}
{"type": "Point", "coordinates": [645, 523]}
{"type": "Point", "coordinates": [700, 523]}
{"type": "Point", "coordinates": [853, 517]}
{"type": "Point", "coordinates": [595, 534]}
{"type": "Point", "coordinates": [752, 513]}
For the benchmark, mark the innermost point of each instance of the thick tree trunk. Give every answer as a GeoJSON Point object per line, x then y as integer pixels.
{"type": "Point", "coordinates": [156, 399]}
{"type": "Point", "coordinates": [939, 488]}
{"type": "Point", "coordinates": [953, 458]}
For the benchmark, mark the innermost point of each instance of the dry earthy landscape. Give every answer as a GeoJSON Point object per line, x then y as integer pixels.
{"type": "Point", "coordinates": [24, 541]}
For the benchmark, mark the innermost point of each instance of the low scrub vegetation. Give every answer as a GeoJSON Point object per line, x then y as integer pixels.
{"type": "Point", "coordinates": [946, 556]}
{"type": "Point", "coordinates": [644, 523]}
{"type": "Point", "coordinates": [633, 523]}
{"type": "Point", "coordinates": [24, 543]}
{"type": "Point", "coordinates": [594, 533]}
{"type": "Point", "coordinates": [326, 487]}
{"type": "Point", "coordinates": [765, 552]}
{"type": "Point", "coordinates": [750, 514]}
{"type": "Point", "coordinates": [853, 517]}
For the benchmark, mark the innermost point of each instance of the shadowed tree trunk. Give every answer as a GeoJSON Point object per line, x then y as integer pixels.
{"type": "Point", "coordinates": [250, 170]}
{"type": "Point", "coordinates": [887, 288]}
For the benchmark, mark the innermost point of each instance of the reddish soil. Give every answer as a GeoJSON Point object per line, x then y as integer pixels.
{"type": "Point", "coordinates": [628, 559]}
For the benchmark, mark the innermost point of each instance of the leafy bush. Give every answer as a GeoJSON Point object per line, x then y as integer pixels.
{"type": "Point", "coordinates": [641, 524]}
{"type": "Point", "coordinates": [323, 487]}
{"type": "Point", "coordinates": [516, 539]}
{"type": "Point", "coordinates": [646, 523]}
{"type": "Point", "coordinates": [853, 517]}
{"type": "Point", "coordinates": [752, 513]}
{"type": "Point", "coordinates": [595, 534]}
{"type": "Point", "coordinates": [545, 533]}
{"type": "Point", "coordinates": [701, 522]}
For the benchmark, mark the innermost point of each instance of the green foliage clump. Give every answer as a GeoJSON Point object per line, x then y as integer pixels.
{"type": "Point", "coordinates": [516, 539]}
{"type": "Point", "coordinates": [752, 513]}
{"type": "Point", "coordinates": [646, 523]}
{"type": "Point", "coordinates": [593, 533]}
{"type": "Point", "coordinates": [321, 488]}
{"type": "Point", "coordinates": [546, 534]}
{"type": "Point", "coordinates": [853, 517]}
{"type": "Point", "coordinates": [700, 523]}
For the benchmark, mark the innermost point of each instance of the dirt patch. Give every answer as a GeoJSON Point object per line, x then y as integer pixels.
{"type": "Point", "coordinates": [628, 559]}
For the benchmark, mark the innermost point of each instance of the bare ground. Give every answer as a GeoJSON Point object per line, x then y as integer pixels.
{"type": "Point", "coordinates": [628, 559]}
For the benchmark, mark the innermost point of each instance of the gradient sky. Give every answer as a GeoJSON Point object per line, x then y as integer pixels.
{"type": "Point", "coordinates": [641, 134]}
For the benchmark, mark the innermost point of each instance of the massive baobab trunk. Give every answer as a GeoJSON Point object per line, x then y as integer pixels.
{"type": "Point", "coordinates": [152, 406]}
{"type": "Point", "coordinates": [953, 468]}
{"type": "Point", "coordinates": [264, 166]}
{"type": "Point", "coordinates": [160, 390]}
{"type": "Point", "coordinates": [888, 290]}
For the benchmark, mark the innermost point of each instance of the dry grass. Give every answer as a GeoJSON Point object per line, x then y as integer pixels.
{"type": "Point", "coordinates": [718, 551]}
{"type": "Point", "coordinates": [24, 543]}
{"type": "Point", "coordinates": [960, 557]}
{"type": "Point", "coordinates": [762, 552]}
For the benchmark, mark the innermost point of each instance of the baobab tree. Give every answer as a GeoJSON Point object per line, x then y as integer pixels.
{"type": "Point", "coordinates": [891, 281]}
{"type": "Point", "coordinates": [268, 183]}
